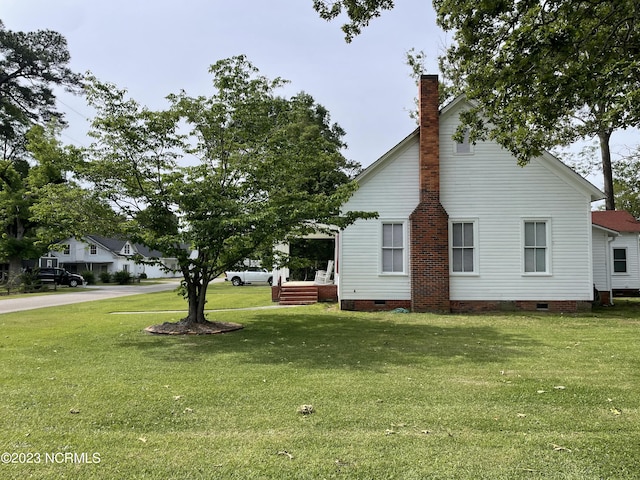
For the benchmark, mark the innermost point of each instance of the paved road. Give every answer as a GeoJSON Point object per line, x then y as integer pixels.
{"type": "Point", "coordinates": [81, 294]}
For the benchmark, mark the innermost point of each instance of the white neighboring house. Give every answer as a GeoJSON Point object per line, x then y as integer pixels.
{"type": "Point", "coordinates": [462, 227]}
{"type": "Point", "coordinates": [101, 254]}
{"type": "Point", "coordinates": [622, 255]}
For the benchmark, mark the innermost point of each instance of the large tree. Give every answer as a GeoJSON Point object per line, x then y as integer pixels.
{"type": "Point", "coordinates": [32, 64]}
{"type": "Point", "coordinates": [541, 73]}
{"type": "Point", "coordinates": [214, 179]}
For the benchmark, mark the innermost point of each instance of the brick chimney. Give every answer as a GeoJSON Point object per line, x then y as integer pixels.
{"type": "Point", "coordinates": [429, 221]}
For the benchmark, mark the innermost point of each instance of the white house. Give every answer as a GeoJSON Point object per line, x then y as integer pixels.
{"type": "Point", "coordinates": [101, 254]}
{"type": "Point", "coordinates": [462, 227]}
{"type": "Point", "coordinates": [622, 255]}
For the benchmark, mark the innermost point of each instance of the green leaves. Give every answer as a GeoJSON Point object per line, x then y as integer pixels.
{"type": "Point", "coordinates": [31, 64]}
{"type": "Point", "coordinates": [546, 74]}
{"type": "Point", "coordinates": [359, 12]}
{"type": "Point", "coordinates": [226, 175]}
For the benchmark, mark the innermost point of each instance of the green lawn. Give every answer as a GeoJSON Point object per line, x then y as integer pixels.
{"type": "Point", "coordinates": [402, 396]}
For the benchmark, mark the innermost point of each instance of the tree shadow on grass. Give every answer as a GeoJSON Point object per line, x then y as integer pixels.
{"type": "Point", "coordinates": [333, 341]}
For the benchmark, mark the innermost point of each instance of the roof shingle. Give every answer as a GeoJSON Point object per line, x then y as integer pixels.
{"type": "Point", "coordinates": [618, 220]}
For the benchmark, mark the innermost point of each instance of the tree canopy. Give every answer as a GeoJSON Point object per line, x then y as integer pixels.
{"type": "Point", "coordinates": [213, 179]}
{"type": "Point", "coordinates": [359, 13]}
{"type": "Point", "coordinates": [31, 65]}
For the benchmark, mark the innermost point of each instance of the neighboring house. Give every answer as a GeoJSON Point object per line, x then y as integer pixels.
{"type": "Point", "coordinates": [462, 227]}
{"type": "Point", "coordinates": [101, 254]}
{"type": "Point", "coordinates": [622, 253]}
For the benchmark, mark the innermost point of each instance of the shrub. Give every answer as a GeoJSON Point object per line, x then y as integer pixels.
{"type": "Point", "coordinates": [143, 276]}
{"type": "Point", "coordinates": [89, 277]}
{"type": "Point", "coordinates": [122, 277]}
{"type": "Point", "coordinates": [105, 277]}
{"type": "Point", "coordinates": [29, 281]}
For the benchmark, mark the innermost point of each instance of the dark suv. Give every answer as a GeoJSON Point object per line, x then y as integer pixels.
{"type": "Point", "coordinates": [59, 276]}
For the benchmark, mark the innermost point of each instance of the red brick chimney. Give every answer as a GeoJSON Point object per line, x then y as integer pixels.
{"type": "Point", "coordinates": [429, 221]}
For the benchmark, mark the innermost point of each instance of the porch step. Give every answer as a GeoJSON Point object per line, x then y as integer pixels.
{"type": "Point", "coordinates": [298, 294]}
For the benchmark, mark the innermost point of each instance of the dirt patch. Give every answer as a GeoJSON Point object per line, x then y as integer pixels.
{"type": "Point", "coordinates": [183, 328]}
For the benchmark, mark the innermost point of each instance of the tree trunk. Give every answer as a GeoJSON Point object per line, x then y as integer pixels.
{"type": "Point", "coordinates": [196, 296]}
{"type": "Point", "coordinates": [15, 266]}
{"type": "Point", "coordinates": [605, 153]}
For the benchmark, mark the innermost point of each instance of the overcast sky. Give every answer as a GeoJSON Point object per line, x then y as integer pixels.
{"type": "Point", "coordinates": [157, 47]}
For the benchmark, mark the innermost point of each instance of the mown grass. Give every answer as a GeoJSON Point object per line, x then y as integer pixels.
{"type": "Point", "coordinates": [402, 396]}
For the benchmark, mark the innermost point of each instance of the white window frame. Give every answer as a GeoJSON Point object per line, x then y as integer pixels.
{"type": "Point", "coordinates": [466, 144]}
{"type": "Point", "coordinates": [547, 246]}
{"type": "Point", "coordinates": [613, 261]}
{"type": "Point", "coordinates": [404, 247]}
{"type": "Point", "coordinates": [93, 249]}
{"type": "Point", "coordinates": [127, 249]}
{"type": "Point", "coordinates": [475, 246]}
{"type": "Point", "coordinates": [66, 249]}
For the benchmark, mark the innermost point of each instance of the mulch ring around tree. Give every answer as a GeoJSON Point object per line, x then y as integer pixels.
{"type": "Point", "coordinates": [184, 328]}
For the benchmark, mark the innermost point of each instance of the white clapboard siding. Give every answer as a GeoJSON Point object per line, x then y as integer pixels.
{"type": "Point", "coordinates": [390, 187]}
{"type": "Point", "coordinates": [601, 257]}
{"type": "Point", "coordinates": [488, 187]}
{"type": "Point", "coordinates": [491, 188]}
{"type": "Point", "coordinates": [631, 279]}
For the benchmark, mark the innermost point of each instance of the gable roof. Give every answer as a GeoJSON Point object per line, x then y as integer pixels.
{"type": "Point", "coordinates": [548, 160]}
{"type": "Point", "coordinates": [116, 245]}
{"type": "Point", "coordinates": [618, 220]}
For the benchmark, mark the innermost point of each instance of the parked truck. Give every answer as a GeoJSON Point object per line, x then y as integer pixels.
{"type": "Point", "coordinates": [248, 276]}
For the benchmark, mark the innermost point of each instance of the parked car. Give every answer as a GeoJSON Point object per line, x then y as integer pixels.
{"type": "Point", "coordinates": [248, 276]}
{"type": "Point", "coordinates": [60, 276]}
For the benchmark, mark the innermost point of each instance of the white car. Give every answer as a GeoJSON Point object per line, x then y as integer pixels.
{"type": "Point", "coordinates": [249, 276]}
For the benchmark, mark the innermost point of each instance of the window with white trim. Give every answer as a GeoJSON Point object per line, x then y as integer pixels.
{"type": "Point", "coordinates": [465, 146]}
{"type": "Point", "coordinates": [127, 249]}
{"type": "Point", "coordinates": [93, 249]}
{"type": "Point", "coordinates": [393, 247]}
{"type": "Point", "coordinates": [619, 260]}
{"type": "Point", "coordinates": [536, 246]}
{"type": "Point", "coordinates": [463, 246]}
{"type": "Point", "coordinates": [66, 249]}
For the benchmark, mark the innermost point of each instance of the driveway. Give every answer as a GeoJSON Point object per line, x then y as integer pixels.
{"type": "Point", "coordinates": [82, 294]}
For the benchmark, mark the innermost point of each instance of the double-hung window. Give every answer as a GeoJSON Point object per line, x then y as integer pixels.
{"type": "Point", "coordinates": [536, 246]}
{"type": "Point", "coordinates": [619, 260]}
{"type": "Point", "coordinates": [393, 247]}
{"type": "Point", "coordinates": [463, 247]}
